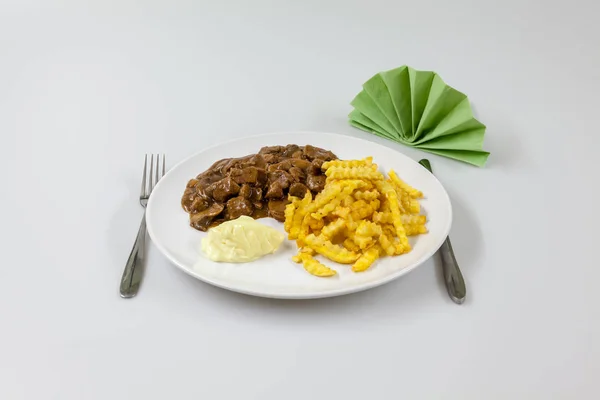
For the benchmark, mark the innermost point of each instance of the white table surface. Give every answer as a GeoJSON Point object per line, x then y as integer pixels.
{"type": "Point", "coordinates": [86, 90]}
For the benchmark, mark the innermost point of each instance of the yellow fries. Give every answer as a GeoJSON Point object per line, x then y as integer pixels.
{"type": "Point", "coordinates": [329, 250]}
{"type": "Point", "coordinates": [400, 184]}
{"type": "Point", "coordinates": [314, 267]}
{"type": "Point", "coordinates": [357, 218]}
{"type": "Point", "coordinates": [366, 173]}
{"type": "Point", "coordinates": [366, 259]}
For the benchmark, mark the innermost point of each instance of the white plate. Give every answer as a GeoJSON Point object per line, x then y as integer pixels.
{"type": "Point", "coordinates": [276, 275]}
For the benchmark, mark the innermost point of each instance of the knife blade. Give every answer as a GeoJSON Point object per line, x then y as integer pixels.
{"type": "Point", "coordinates": [455, 283]}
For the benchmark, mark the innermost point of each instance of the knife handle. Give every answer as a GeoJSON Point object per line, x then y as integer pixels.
{"type": "Point", "coordinates": [455, 282]}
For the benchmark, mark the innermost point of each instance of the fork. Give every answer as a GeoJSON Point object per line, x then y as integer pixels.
{"type": "Point", "coordinates": [134, 269]}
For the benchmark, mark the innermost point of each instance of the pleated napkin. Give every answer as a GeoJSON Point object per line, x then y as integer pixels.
{"type": "Point", "coordinates": [416, 108]}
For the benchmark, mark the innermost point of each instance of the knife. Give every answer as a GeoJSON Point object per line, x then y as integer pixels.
{"type": "Point", "coordinates": [455, 284]}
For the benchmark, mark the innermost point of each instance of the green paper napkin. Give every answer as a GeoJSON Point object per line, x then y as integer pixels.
{"type": "Point", "coordinates": [418, 109]}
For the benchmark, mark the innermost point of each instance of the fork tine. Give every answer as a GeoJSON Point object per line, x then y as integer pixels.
{"type": "Point", "coordinates": [163, 168]}
{"type": "Point", "coordinates": [143, 191]}
{"type": "Point", "coordinates": [156, 178]}
{"type": "Point", "coordinates": [151, 174]}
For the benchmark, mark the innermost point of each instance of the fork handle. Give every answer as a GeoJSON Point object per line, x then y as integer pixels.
{"type": "Point", "coordinates": [132, 275]}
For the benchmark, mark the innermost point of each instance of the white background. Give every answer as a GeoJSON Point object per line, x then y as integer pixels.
{"type": "Point", "coordinates": [86, 88]}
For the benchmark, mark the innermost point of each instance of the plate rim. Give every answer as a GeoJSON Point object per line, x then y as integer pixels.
{"type": "Point", "coordinates": [296, 295]}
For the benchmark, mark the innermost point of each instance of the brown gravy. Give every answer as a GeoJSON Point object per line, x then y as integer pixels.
{"type": "Point", "coordinates": [256, 185]}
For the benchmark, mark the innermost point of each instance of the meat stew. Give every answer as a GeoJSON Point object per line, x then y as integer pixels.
{"type": "Point", "coordinates": [256, 185]}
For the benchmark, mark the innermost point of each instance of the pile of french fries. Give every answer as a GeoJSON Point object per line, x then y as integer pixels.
{"type": "Point", "coordinates": [359, 217]}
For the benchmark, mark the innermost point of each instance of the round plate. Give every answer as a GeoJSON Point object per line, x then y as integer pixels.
{"type": "Point", "coordinates": [275, 275]}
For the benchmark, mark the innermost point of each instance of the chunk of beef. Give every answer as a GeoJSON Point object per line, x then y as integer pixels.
{"type": "Point", "coordinates": [206, 180]}
{"type": "Point", "coordinates": [224, 189]}
{"type": "Point", "coordinates": [275, 191]}
{"type": "Point", "coordinates": [282, 166]}
{"type": "Point", "coordinates": [253, 175]}
{"type": "Point", "coordinates": [256, 197]}
{"type": "Point", "coordinates": [195, 199]}
{"type": "Point", "coordinates": [199, 204]}
{"type": "Point", "coordinates": [300, 163]}
{"type": "Point", "coordinates": [297, 174]}
{"type": "Point", "coordinates": [239, 206]}
{"type": "Point", "coordinates": [313, 152]}
{"type": "Point", "coordinates": [192, 183]}
{"type": "Point", "coordinates": [317, 162]}
{"type": "Point", "coordinates": [236, 163]}
{"type": "Point", "coordinates": [201, 192]}
{"type": "Point", "coordinates": [189, 195]}
{"type": "Point", "coordinates": [315, 167]}
{"type": "Point", "coordinates": [316, 183]}
{"type": "Point", "coordinates": [246, 191]}
{"type": "Point", "coordinates": [257, 160]}
{"type": "Point", "coordinates": [290, 149]}
{"type": "Point", "coordinates": [277, 209]}
{"type": "Point", "coordinates": [284, 178]}
{"type": "Point", "coordinates": [271, 158]}
{"type": "Point", "coordinates": [298, 154]}
{"type": "Point", "coordinates": [298, 190]}
{"type": "Point", "coordinates": [272, 150]}
{"type": "Point", "coordinates": [202, 219]}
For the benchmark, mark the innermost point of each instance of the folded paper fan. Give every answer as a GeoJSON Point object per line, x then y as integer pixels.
{"type": "Point", "coordinates": [418, 109]}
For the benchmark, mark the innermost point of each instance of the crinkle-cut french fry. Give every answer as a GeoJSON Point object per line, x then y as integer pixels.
{"type": "Point", "coordinates": [413, 219]}
{"type": "Point", "coordinates": [412, 230]}
{"type": "Point", "coordinates": [360, 209]}
{"type": "Point", "coordinates": [365, 162]}
{"type": "Point", "coordinates": [363, 242]}
{"type": "Point", "coordinates": [333, 190]}
{"type": "Point", "coordinates": [331, 251]}
{"type": "Point", "coordinates": [366, 234]}
{"type": "Point", "coordinates": [365, 173]}
{"type": "Point", "coordinates": [289, 213]}
{"type": "Point", "coordinates": [302, 250]}
{"type": "Point", "coordinates": [366, 195]}
{"type": "Point", "coordinates": [300, 243]}
{"type": "Point", "coordinates": [348, 201]}
{"type": "Point", "coordinates": [314, 267]}
{"type": "Point", "coordinates": [333, 228]}
{"type": "Point", "coordinates": [412, 192]}
{"type": "Point", "coordinates": [351, 224]}
{"type": "Point", "coordinates": [369, 229]}
{"type": "Point", "coordinates": [400, 233]}
{"type": "Point", "coordinates": [387, 245]}
{"type": "Point", "coordinates": [335, 202]}
{"type": "Point", "coordinates": [414, 206]}
{"type": "Point", "coordinates": [342, 212]}
{"type": "Point", "coordinates": [401, 248]}
{"type": "Point", "coordinates": [385, 204]}
{"type": "Point", "coordinates": [382, 217]}
{"type": "Point", "coordinates": [403, 200]}
{"type": "Point", "coordinates": [365, 261]}
{"type": "Point", "coordinates": [356, 207]}
{"type": "Point", "coordinates": [298, 216]}
{"type": "Point", "coordinates": [389, 230]}
{"type": "Point", "coordinates": [374, 204]}
{"type": "Point", "coordinates": [315, 224]}
{"type": "Point", "coordinates": [350, 245]}
{"type": "Point", "coordinates": [305, 226]}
